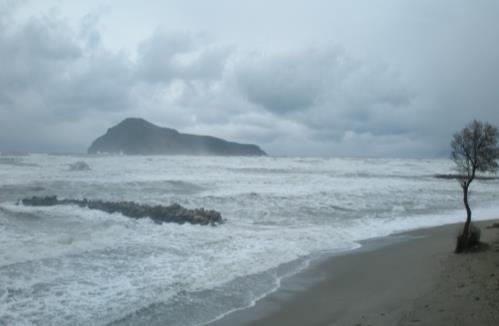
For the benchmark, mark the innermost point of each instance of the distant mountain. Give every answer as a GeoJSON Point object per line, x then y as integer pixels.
{"type": "Point", "coordinates": [135, 136]}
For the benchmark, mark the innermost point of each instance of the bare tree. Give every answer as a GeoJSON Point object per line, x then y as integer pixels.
{"type": "Point", "coordinates": [474, 150]}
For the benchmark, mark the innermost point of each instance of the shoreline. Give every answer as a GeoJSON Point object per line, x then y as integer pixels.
{"type": "Point", "coordinates": [379, 283]}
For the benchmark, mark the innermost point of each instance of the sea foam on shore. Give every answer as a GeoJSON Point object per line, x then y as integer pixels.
{"type": "Point", "coordinates": [281, 212]}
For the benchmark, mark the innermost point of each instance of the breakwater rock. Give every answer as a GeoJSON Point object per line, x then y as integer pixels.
{"type": "Point", "coordinates": [158, 213]}
{"type": "Point", "coordinates": [79, 166]}
{"type": "Point", "coordinates": [463, 177]}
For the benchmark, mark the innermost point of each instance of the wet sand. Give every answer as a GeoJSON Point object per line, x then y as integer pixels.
{"type": "Point", "coordinates": [412, 278]}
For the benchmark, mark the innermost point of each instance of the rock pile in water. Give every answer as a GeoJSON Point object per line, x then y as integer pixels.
{"type": "Point", "coordinates": [158, 213]}
{"type": "Point", "coordinates": [461, 177]}
{"type": "Point", "coordinates": [79, 166]}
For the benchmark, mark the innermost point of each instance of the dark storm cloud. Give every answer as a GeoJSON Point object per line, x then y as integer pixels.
{"type": "Point", "coordinates": [102, 82]}
{"type": "Point", "coordinates": [378, 78]}
{"type": "Point", "coordinates": [30, 55]}
{"type": "Point", "coordinates": [167, 56]}
{"type": "Point", "coordinates": [55, 75]}
{"type": "Point", "coordinates": [326, 89]}
{"type": "Point", "coordinates": [47, 64]}
{"type": "Point", "coordinates": [287, 82]}
{"type": "Point", "coordinates": [50, 77]}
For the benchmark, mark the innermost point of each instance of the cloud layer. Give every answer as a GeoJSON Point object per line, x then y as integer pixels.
{"type": "Point", "coordinates": [61, 86]}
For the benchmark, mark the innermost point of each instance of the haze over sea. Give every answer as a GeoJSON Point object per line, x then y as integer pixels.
{"type": "Point", "coordinates": [67, 265]}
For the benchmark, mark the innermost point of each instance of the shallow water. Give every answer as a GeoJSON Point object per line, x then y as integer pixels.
{"type": "Point", "coordinates": [73, 266]}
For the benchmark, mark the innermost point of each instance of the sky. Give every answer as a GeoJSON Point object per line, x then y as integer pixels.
{"type": "Point", "coordinates": [364, 78]}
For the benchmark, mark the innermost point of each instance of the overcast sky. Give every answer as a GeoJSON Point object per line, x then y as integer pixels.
{"type": "Point", "coordinates": [331, 78]}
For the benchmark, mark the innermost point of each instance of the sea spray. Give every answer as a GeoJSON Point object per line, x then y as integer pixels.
{"type": "Point", "coordinates": [71, 265]}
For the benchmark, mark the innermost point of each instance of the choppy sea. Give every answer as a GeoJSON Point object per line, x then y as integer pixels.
{"type": "Point", "coordinates": [67, 265]}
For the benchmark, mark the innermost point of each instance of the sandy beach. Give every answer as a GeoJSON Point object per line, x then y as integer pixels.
{"type": "Point", "coordinates": [412, 278]}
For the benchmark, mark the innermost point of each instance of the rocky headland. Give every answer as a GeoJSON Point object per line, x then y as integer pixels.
{"type": "Point", "coordinates": [135, 136]}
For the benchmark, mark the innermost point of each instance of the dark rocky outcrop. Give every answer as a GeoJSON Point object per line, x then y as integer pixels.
{"type": "Point", "coordinates": [158, 213]}
{"type": "Point", "coordinates": [79, 166]}
{"type": "Point", "coordinates": [136, 136]}
{"type": "Point", "coordinates": [461, 177]}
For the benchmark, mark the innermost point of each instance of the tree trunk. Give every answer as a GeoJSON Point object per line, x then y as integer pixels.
{"type": "Point", "coordinates": [466, 229]}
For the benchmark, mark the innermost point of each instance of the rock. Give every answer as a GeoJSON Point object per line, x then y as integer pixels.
{"type": "Point", "coordinates": [158, 213]}
{"type": "Point", "coordinates": [461, 177]}
{"type": "Point", "coordinates": [40, 201]}
{"type": "Point", "coordinates": [134, 136]}
{"type": "Point", "coordinates": [79, 166]}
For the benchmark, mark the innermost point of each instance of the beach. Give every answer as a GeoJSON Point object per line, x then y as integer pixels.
{"type": "Point", "coordinates": [287, 253]}
{"type": "Point", "coordinates": [412, 278]}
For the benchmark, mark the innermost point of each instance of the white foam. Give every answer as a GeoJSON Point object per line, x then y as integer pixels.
{"type": "Point", "coordinates": [58, 260]}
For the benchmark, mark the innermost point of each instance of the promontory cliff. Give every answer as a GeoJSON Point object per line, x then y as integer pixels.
{"type": "Point", "coordinates": [135, 136]}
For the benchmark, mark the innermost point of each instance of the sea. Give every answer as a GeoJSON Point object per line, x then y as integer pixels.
{"type": "Point", "coordinates": [66, 265]}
